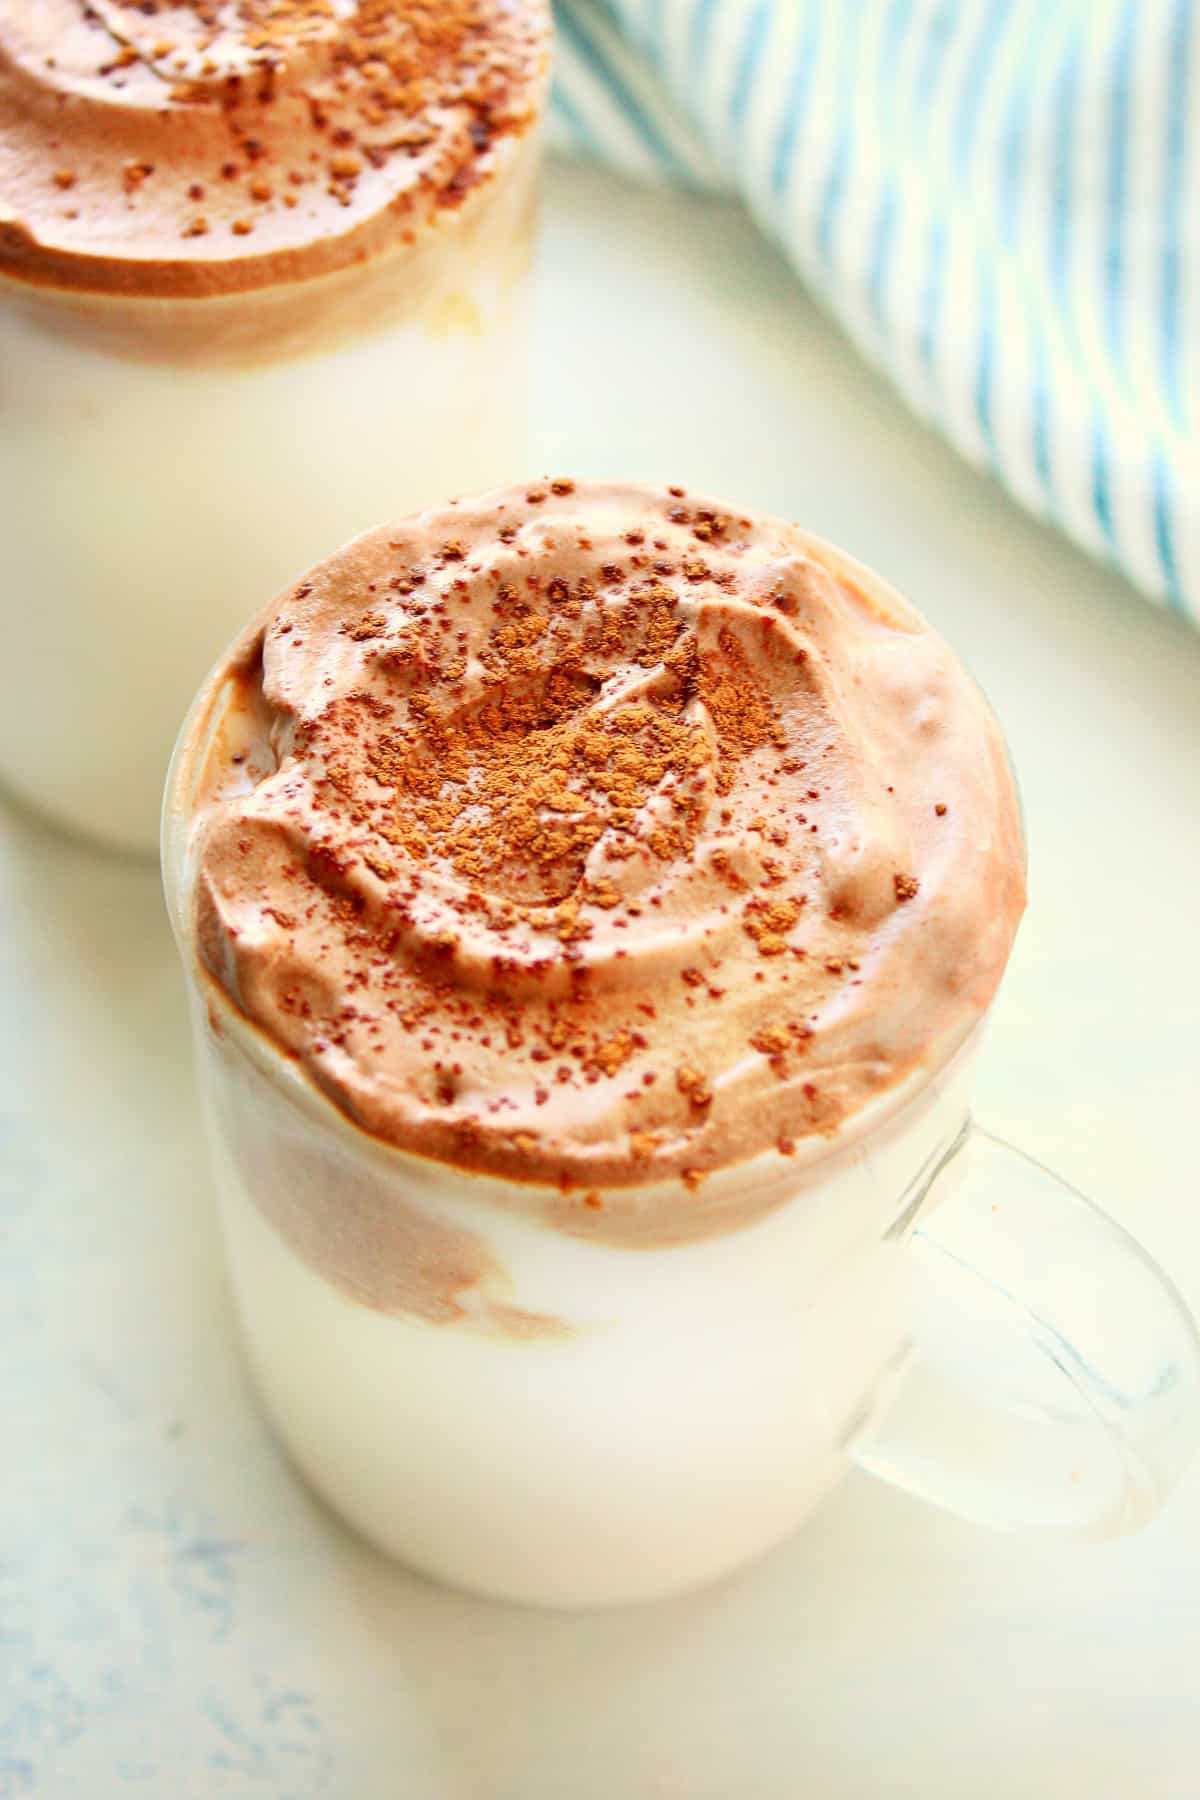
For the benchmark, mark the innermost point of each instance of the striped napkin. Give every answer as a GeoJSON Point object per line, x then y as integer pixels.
{"type": "Point", "coordinates": [999, 199]}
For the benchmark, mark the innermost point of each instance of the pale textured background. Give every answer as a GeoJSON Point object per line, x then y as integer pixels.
{"type": "Point", "coordinates": [177, 1618]}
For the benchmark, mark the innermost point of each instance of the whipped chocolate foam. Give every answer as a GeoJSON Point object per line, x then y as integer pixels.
{"type": "Point", "coordinates": [150, 148]}
{"type": "Point", "coordinates": [596, 835]}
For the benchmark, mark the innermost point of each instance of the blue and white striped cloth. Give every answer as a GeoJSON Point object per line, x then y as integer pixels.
{"type": "Point", "coordinates": [999, 199]}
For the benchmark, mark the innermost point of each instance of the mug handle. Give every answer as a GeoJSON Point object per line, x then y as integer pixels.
{"type": "Point", "coordinates": [1052, 1377]}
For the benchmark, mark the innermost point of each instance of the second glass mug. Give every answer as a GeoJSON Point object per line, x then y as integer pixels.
{"type": "Point", "coordinates": [165, 461]}
{"type": "Point", "coordinates": [531, 1414]}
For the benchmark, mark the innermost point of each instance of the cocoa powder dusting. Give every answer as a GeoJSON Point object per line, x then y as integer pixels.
{"type": "Point", "coordinates": [380, 113]}
{"type": "Point", "coordinates": [576, 857]}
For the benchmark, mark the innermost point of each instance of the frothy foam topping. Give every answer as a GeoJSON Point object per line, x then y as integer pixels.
{"type": "Point", "coordinates": [169, 149]}
{"type": "Point", "coordinates": [594, 835]}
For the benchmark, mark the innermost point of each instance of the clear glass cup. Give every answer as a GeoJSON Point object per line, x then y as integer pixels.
{"type": "Point", "coordinates": [166, 462]}
{"type": "Point", "coordinates": [522, 1410]}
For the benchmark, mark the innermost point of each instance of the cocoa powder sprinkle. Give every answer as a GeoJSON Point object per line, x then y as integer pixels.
{"type": "Point", "coordinates": [531, 811]}
{"type": "Point", "coordinates": [423, 92]}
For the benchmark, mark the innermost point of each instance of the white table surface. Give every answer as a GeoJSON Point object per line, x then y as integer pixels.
{"type": "Point", "coordinates": [178, 1618]}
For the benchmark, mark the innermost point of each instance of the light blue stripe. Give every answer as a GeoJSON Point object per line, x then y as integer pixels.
{"type": "Point", "coordinates": [573, 32]}
{"type": "Point", "coordinates": [882, 242]}
{"type": "Point", "coordinates": [656, 37]}
{"type": "Point", "coordinates": [931, 295]}
{"type": "Point", "coordinates": [1042, 458]}
{"type": "Point", "coordinates": [573, 119]}
{"type": "Point", "coordinates": [1066, 101]}
{"type": "Point", "coordinates": [838, 171]}
{"type": "Point", "coordinates": [891, 47]}
{"type": "Point", "coordinates": [985, 363]}
{"type": "Point", "coordinates": [783, 162]}
{"type": "Point", "coordinates": [1164, 532]}
{"type": "Point", "coordinates": [883, 237]}
{"type": "Point", "coordinates": [939, 32]}
{"type": "Point", "coordinates": [753, 42]}
{"type": "Point", "coordinates": [699, 33]}
{"type": "Point", "coordinates": [1116, 197]}
{"type": "Point", "coordinates": [1101, 489]}
{"type": "Point", "coordinates": [1013, 144]}
{"type": "Point", "coordinates": [978, 73]}
{"type": "Point", "coordinates": [831, 195]}
{"type": "Point", "coordinates": [1173, 223]}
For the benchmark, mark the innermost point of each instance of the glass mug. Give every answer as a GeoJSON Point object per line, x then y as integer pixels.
{"type": "Point", "coordinates": [541, 1417]}
{"type": "Point", "coordinates": [166, 462]}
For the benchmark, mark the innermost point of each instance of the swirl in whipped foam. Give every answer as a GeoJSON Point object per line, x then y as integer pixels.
{"type": "Point", "coordinates": [151, 148]}
{"type": "Point", "coordinates": [601, 834]}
